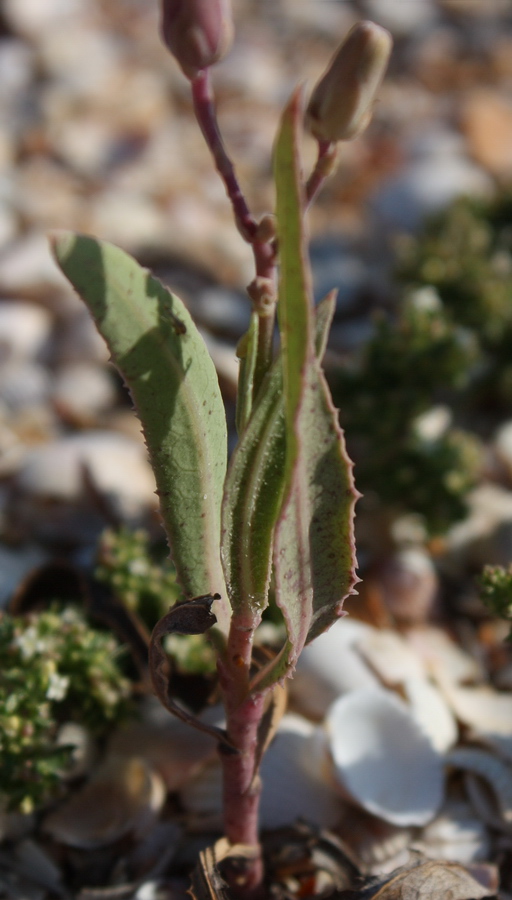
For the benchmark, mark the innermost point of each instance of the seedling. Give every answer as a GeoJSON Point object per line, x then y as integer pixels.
{"type": "Point", "coordinates": [284, 505]}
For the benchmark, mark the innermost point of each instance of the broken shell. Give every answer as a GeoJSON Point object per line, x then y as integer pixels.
{"type": "Point", "coordinates": [488, 783]}
{"type": "Point", "coordinates": [376, 843]}
{"type": "Point", "coordinates": [382, 759]}
{"type": "Point", "coordinates": [431, 712]}
{"type": "Point", "coordinates": [483, 709]}
{"type": "Point", "coordinates": [442, 658]}
{"type": "Point", "coordinates": [124, 796]}
{"type": "Point", "coordinates": [455, 834]}
{"type": "Point", "coordinates": [389, 656]}
{"type": "Point", "coordinates": [169, 746]}
{"type": "Point", "coordinates": [295, 777]}
{"type": "Point", "coordinates": [329, 667]}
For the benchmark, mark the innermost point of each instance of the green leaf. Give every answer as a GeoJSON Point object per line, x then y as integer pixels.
{"type": "Point", "coordinates": [254, 484]}
{"type": "Point", "coordinates": [163, 360]}
{"type": "Point", "coordinates": [314, 554]}
{"type": "Point", "coordinates": [246, 351]}
{"type": "Point", "coordinates": [252, 498]}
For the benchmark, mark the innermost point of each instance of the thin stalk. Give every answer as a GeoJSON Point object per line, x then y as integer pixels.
{"type": "Point", "coordinates": [264, 250]}
{"type": "Point", "coordinates": [242, 786]}
{"type": "Point", "coordinates": [325, 164]}
{"type": "Point", "coordinates": [204, 108]}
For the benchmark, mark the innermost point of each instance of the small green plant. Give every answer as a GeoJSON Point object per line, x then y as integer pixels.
{"type": "Point", "coordinates": [465, 253]}
{"type": "Point", "coordinates": [496, 591]}
{"type": "Point", "coordinates": [411, 360]}
{"type": "Point", "coordinates": [126, 563]}
{"type": "Point", "coordinates": [283, 507]}
{"type": "Point", "coordinates": [55, 668]}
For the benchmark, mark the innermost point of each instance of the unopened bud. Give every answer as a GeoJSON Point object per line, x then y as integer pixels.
{"type": "Point", "coordinates": [342, 103]}
{"type": "Point", "coordinates": [197, 32]}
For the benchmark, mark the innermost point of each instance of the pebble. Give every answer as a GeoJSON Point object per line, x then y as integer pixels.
{"type": "Point", "coordinates": [25, 329]}
{"type": "Point", "coordinates": [24, 384]}
{"type": "Point", "coordinates": [31, 17]}
{"type": "Point", "coordinates": [399, 17]}
{"type": "Point", "coordinates": [487, 123]}
{"type": "Point", "coordinates": [118, 468]}
{"type": "Point", "coordinates": [437, 173]}
{"type": "Point", "coordinates": [78, 340]}
{"type": "Point", "coordinates": [82, 391]}
{"type": "Point", "coordinates": [222, 310]}
{"type": "Point", "coordinates": [27, 268]}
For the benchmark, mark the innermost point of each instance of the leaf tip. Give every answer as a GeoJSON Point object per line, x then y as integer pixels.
{"type": "Point", "coordinates": [61, 242]}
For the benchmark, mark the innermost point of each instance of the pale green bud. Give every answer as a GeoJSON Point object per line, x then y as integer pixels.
{"type": "Point", "coordinates": [341, 105]}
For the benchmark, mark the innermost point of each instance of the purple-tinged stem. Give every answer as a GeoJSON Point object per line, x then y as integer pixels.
{"type": "Point", "coordinates": [204, 108]}
{"type": "Point", "coordinates": [324, 166]}
{"type": "Point", "coordinates": [242, 787]}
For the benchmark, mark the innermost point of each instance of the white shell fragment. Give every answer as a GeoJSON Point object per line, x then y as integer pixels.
{"type": "Point", "coordinates": [483, 709]}
{"type": "Point", "coordinates": [123, 797]}
{"type": "Point", "coordinates": [382, 759]}
{"type": "Point", "coordinates": [431, 712]}
{"type": "Point", "coordinates": [295, 777]}
{"type": "Point", "coordinates": [488, 783]}
{"type": "Point", "coordinates": [389, 656]}
{"type": "Point", "coordinates": [456, 834]}
{"type": "Point", "coordinates": [442, 658]}
{"type": "Point", "coordinates": [329, 667]}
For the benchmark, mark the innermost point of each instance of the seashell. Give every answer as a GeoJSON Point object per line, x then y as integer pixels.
{"type": "Point", "coordinates": [390, 657]}
{"type": "Point", "coordinates": [486, 711]}
{"type": "Point", "coordinates": [294, 776]}
{"type": "Point", "coordinates": [488, 782]}
{"type": "Point", "coordinates": [329, 667]}
{"type": "Point", "coordinates": [382, 759]}
{"type": "Point", "coordinates": [172, 748]}
{"type": "Point", "coordinates": [431, 712]}
{"type": "Point", "coordinates": [123, 797]}
{"type": "Point", "coordinates": [152, 855]}
{"type": "Point", "coordinates": [472, 542]}
{"type": "Point", "coordinates": [377, 844]}
{"type": "Point", "coordinates": [32, 862]}
{"type": "Point", "coordinates": [442, 658]}
{"type": "Point", "coordinates": [455, 834]}
{"type": "Point", "coordinates": [501, 744]}
{"type": "Point", "coordinates": [202, 798]}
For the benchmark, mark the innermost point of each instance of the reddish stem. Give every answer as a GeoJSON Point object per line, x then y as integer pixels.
{"type": "Point", "coordinates": [204, 108]}
{"type": "Point", "coordinates": [242, 787]}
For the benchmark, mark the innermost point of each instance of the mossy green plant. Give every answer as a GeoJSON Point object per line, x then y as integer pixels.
{"type": "Point", "coordinates": [412, 361]}
{"type": "Point", "coordinates": [496, 591]}
{"type": "Point", "coordinates": [55, 668]}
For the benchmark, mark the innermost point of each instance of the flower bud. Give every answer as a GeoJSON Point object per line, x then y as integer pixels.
{"type": "Point", "coordinates": [342, 103]}
{"type": "Point", "coordinates": [197, 32]}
